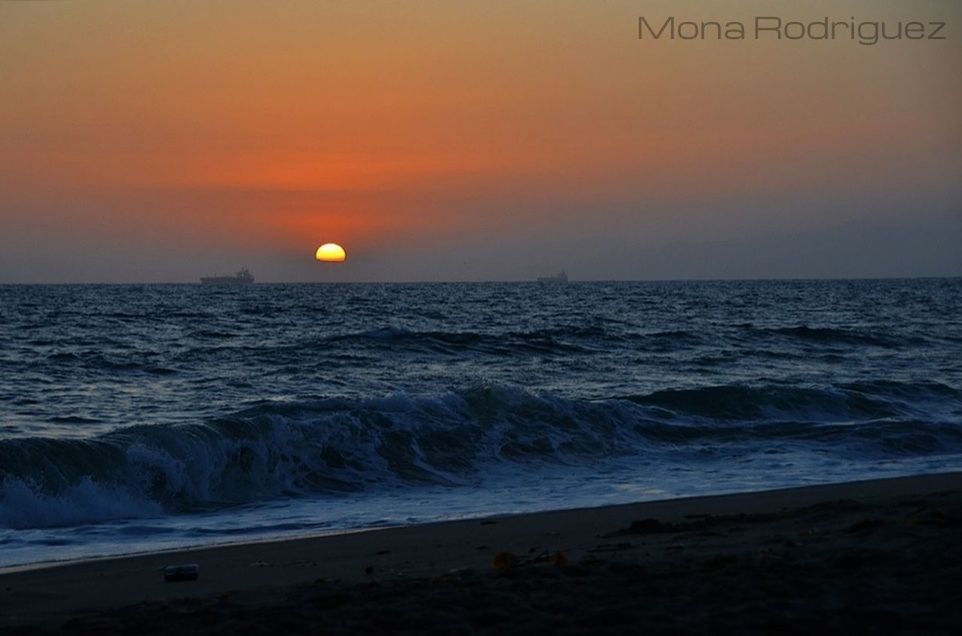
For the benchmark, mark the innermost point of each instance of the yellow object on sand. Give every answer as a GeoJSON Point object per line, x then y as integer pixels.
{"type": "Point", "coordinates": [504, 561]}
{"type": "Point", "coordinates": [559, 559]}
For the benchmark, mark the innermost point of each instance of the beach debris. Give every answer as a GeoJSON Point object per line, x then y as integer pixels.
{"type": "Point", "coordinates": [268, 564]}
{"type": "Point", "coordinates": [369, 570]}
{"type": "Point", "coordinates": [609, 547]}
{"type": "Point", "coordinates": [865, 525]}
{"type": "Point", "coordinates": [626, 568]}
{"type": "Point", "coordinates": [488, 522]}
{"type": "Point", "coordinates": [930, 518]}
{"type": "Point", "coordinates": [180, 573]}
{"type": "Point", "coordinates": [850, 561]}
{"type": "Point", "coordinates": [559, 559]}
{"type": "Point", "coordinates": [459, 572]}
{"type": "Point", "coordinates": [327, 581]}
{"type": "Point", "coordinates": [505, 561]}
{"type": "Point", "coordinates": [721, 561]}
{"type": "Point", "coordinates": [649, 526]}
{"type": "Point", "coordinates": [382, 552]}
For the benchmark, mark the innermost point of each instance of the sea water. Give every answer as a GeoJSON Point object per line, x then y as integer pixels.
{"type": "Point", "coordinates": [138, 418]}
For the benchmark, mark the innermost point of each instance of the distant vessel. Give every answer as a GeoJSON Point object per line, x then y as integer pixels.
{"type": "Point", "coordinates": [561, 277]}
{"type": "Point", "coordinates": [242, 277]}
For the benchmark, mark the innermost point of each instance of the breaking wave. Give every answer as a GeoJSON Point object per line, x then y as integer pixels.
{"type": "Point", "coordinates": [334, 446]}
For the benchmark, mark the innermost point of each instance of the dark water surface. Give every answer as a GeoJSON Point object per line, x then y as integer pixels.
{"type": "Point", "coordinates": [142, 417]}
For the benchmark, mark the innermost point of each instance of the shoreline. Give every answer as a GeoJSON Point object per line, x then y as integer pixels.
{"type": "Point", "coordinates": [49, 594]}
{"type": "Point", "coordinates": [81, 560]}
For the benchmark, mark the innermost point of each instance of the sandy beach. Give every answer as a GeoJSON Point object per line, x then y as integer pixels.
{"type": "Point", "coordinates": [880, 555]}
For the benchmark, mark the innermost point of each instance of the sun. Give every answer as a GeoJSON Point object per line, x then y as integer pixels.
{"type": "Point", "coordinates": [330, 253]}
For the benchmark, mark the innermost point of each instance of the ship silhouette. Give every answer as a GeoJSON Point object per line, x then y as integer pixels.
{"type": "Point", "coordinates": [560, 277]}
{"type": "Point", "coordinates": [243, 277]}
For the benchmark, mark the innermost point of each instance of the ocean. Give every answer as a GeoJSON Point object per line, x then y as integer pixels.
{"type": "Point", "coordinates": [145, 417]}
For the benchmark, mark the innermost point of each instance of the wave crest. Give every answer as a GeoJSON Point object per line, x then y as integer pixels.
{"type": "Point", "coordinates": [341, 445]}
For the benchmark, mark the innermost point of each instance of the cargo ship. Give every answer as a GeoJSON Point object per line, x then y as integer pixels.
{"type": "Point", "coordinates": [242, 277]}
{"type": "Point", "coordinates": [561, 277]}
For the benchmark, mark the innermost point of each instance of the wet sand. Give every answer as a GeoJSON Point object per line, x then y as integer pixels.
{"type": "Point", "coordinates": [882, 556]}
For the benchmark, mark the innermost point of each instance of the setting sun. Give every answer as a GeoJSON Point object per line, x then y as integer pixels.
{"type": "Point", "coordinates": [330, 253]}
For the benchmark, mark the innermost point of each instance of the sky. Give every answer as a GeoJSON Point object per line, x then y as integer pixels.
{"type": "Point", "coordinates": [146, 141]}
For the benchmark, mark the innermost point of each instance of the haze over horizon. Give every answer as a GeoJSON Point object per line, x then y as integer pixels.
{"type": "Point", "coordinates": [160, 142]}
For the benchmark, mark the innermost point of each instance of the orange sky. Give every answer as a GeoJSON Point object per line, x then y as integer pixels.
{"type": "Point", "coordinates": [204, 129]}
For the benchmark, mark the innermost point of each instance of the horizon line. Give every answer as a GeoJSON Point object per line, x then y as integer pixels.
{"type": "Point", "coordinates": [490, 281]}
